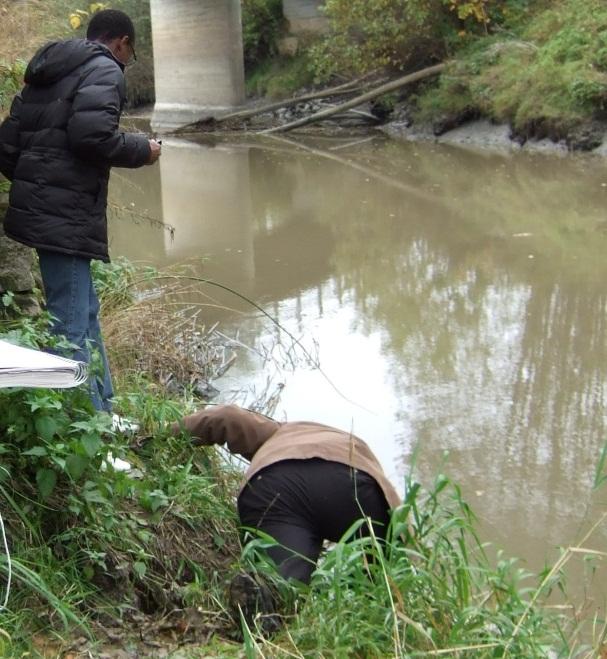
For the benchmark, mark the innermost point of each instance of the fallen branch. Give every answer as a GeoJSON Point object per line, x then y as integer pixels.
{"type": "Point", "coordinates": [345, 88]}
{"type": "Point", "coordinates": [359, 100]}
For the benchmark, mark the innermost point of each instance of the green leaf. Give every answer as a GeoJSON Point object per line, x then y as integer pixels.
{"type": "Point", "coordinates": [46, 427]}
{"type": "Point", "coordinates": [60, 462]}
{"type": "Point", "coordinates": [599, 476]}
{"type": "Point", "coordinates": [76, 465]}
{"type": "Point", "coordinates": [91, 444]}
{"type": "Point", "coordinates": [38, 451]}
{"type": "Point", "coordinates": [46, 479]}
{"type": "Point", "coordinates": [94, 496]}
{"type": "Point", "coordinates": [139, 569]}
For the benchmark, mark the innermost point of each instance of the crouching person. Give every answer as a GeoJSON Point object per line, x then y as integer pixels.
{"type": "Point", "coordinates": [306, 483]}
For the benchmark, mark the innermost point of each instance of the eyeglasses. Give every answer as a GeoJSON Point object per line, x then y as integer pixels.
{"type": "Point", "coordinates": [134, 58]}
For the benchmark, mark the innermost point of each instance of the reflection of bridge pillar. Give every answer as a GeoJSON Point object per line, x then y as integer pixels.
{"type": "Point", "coordinates": [206, 196]}
{"type": "Point", "coordinates": [135, 215]}
{"type": "Point", "coordinates": [198, 59]}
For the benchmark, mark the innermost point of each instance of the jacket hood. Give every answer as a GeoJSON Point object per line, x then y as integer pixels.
{"type": "Point", "coordinates": [57, 59]}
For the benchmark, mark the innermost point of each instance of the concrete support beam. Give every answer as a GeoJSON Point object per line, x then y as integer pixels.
{"type": "Point", "coordinates": [198, 59]}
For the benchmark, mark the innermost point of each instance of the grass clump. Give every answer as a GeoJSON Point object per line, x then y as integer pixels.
{"type": "Point", "coordinates": [281, 77]}
{"type": "Point", "coordinates": [545, 75]}
{"type": "Point", "coordinates": [430, 590]}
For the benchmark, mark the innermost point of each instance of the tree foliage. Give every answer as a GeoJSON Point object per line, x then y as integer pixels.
{"type": "Point", "coordinates": [262, 22]}
{"type": "Point", "coordinates": [395, 34]}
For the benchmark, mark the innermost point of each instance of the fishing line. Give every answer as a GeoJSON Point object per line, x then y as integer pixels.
{"type": "Point", "coordinates": [293, 338]}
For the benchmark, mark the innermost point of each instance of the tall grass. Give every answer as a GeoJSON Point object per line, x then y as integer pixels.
{"type": "Point", "coordinates": [91, 546]}
{"type": "Point", "coordinates": [430, 590]}
{"type": "Point", "coordinates": [545, 74]}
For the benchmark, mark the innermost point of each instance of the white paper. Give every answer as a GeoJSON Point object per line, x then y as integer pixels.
{"type": "Point", "coordinates": [24, 367]}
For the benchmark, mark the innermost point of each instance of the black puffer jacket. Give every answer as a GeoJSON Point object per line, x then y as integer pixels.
{"type": "Point", "coordinates": [58, 145]}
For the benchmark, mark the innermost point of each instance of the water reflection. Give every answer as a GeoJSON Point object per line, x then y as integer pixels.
{"type": "Point", "coordinates": [456, 301]}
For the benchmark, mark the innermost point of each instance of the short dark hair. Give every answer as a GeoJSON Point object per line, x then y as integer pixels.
{"type": "Point", "coordinates": [109, 24]}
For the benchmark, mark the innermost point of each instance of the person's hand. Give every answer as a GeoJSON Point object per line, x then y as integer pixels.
{"type": "Point", "coordinates": [155, 150]}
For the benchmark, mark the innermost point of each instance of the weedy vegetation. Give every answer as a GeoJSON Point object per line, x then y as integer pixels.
{"type": "Point", "coordinates": [431, 590]}
{"type": "Point", "coordinates": [544, 71]}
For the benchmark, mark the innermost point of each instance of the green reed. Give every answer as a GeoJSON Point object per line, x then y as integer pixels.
{"type": "Point", "coordinates": [428, 590]}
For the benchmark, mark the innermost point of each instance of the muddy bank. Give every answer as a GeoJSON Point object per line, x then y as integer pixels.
{"type": "Point", "coordinates": [484, 134]}
{"type": "Point", "coordinates": [478, 133]}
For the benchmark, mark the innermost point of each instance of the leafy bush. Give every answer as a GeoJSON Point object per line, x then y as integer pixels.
{"type": "Point", "coordinates": [394, 34]}
{"type": "Point", "coordinates": [87, 541]}
{"type": "Point", "coordinates": [262, 22]}
{"type": "Point", "coordinates": [544, 76]}
{"type": "Point", "coordinates": [11, 80]}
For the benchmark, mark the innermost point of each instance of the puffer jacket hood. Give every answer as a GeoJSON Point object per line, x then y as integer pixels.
{"type": "Point", "coordinates": [58, 59]}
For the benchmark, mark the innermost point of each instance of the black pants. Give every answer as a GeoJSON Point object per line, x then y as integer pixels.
{"type": "Point", "coordinates": [300, 503]}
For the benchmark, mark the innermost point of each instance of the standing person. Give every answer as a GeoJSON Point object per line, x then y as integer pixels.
{"type": "Point", "coordinates": [306, 483]}
{"type": "Point", "coordinates": [57, 147]}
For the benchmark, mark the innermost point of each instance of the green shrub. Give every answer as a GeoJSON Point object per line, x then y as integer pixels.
{"type": "Point", "coordinates": [280, 77]}
{"type": "Point", "coordinates": [262, 22]}
{"type": "Point", "coordinates": [11, 80]}
{"type": "Point", "coordinates": [367, 35]}
{"type": "Point", "coordinates": [546, 75]}
{"type": "Point", "coordinates": [87, 541]}
{"type": "Point", "coordinates": [398, 34]}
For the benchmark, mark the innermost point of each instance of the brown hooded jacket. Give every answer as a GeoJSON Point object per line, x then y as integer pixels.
{"type": "Point", "coordinates": [265, 442]}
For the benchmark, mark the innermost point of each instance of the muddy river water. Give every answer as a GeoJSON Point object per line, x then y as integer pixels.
{"type": "Point", "coordinates": [455, 300]}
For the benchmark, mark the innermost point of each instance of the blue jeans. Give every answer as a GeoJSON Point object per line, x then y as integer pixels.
{"type": "Point", "coordinates": [72, 302]}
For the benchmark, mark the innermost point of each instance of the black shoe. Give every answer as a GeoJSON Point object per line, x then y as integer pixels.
{"type": "Point", "coordinates": [252, 598]}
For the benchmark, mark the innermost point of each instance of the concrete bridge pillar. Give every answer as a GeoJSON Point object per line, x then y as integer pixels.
{"type": "Point", "coordinates": [198, 59]}
{"type": "Point", "coordinates": [304, 15]}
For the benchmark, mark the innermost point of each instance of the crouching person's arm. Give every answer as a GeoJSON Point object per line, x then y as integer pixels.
{"type": "Point", "coordinates": [242, 431]}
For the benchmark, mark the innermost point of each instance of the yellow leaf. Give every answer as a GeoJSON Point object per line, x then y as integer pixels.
{"type": "Point", "coordinates": [96, 6]}
{"type": "Point", "coordinates": [75, 21]}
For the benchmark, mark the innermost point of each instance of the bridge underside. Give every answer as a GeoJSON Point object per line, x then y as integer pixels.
{"type": "Point", "coordinates": [198, 56]}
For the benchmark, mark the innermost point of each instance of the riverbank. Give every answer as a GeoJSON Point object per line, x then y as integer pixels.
{"type": "Point", "coordinates": [538, 68]}
{"type": "Point", "coordinates": [484, 134]}
{"type": "Point", "coordinates": [117, 566]}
